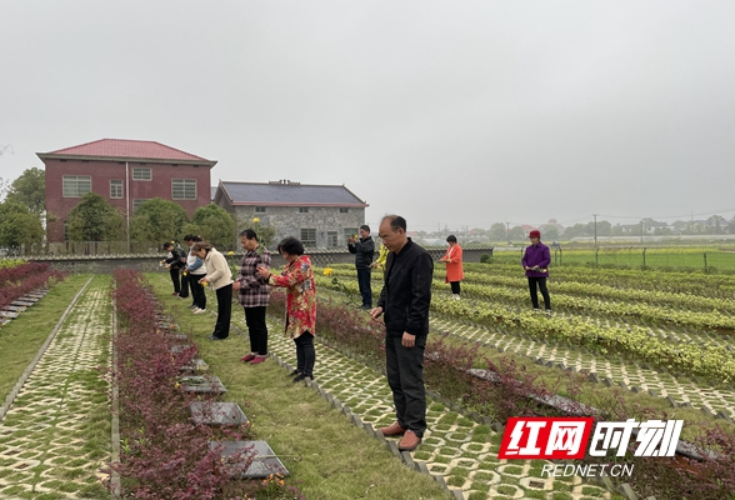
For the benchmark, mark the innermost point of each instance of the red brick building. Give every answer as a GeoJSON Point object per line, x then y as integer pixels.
{"type": "Point", "coordinates": [126, 173]}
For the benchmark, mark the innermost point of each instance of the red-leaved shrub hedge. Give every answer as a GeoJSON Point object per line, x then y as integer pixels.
{"type": "Point", "coordinates": [164, 455]}
{"type": "Point", "coordinates": [18, 281]}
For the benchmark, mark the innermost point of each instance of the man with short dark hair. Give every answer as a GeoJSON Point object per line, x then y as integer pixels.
{"type": "Point", "coordinates": [405, 301]}
{"type": "Point", "coordinates": [364, 249]}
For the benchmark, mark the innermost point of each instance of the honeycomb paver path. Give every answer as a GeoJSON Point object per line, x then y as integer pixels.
{"type": "Point", "coordinates": [459, 449]}
{"type": "Point", "coordinates": [697, 394]}
{"type": "Point", "coordinates": [55, 438]}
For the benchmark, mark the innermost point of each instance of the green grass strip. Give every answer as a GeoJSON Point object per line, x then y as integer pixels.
{"type": "Point", "coordinates": [331, 457]}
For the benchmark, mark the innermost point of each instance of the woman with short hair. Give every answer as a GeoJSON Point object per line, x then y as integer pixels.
{"type": "Point", "coordinates": [453, 259]}
{"type": "Point", "coordinates": [219, 278]}
{"type": "Point", "coordinates": [254, 295]}
{"type": "Point", "coordinates": [298, 279]}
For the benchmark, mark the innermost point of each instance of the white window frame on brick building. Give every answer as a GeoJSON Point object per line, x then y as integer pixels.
{"type": "Point", "coordinates": [183, 189]}
{"type": "Point", "coordinates": [116, 189]}
{"type": "Point", "coordinates": [142, 174]}
{"type": "Point", "coordinates": [76, 186]}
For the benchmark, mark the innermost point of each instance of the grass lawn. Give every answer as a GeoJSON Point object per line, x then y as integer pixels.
{"type": "Point", "coordinates": [329, 458]}
{"type": "Point", "coordinates": [22, 337]}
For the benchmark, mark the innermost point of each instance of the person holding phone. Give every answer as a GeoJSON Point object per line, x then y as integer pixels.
{"type": "Point", "coordinates": [364, 250]}
{"type": "Point", "coordinates": [453, 260]}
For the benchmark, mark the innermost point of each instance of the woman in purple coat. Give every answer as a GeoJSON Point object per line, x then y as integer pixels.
{"type": "Point", "coordinates": [536, 263]}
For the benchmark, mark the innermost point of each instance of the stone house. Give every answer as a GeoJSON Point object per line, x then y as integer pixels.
{"type": "Point", "coordinates": [321, 216]}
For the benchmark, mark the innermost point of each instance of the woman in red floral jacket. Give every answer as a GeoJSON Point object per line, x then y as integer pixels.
{"type": "Point", "coordinates": [298, 278]}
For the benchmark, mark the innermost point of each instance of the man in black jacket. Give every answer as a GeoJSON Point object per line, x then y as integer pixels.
{"type": "Point", "coordinates": [405, 301]}
{"type": "Point", "coordinates": [364, 251]}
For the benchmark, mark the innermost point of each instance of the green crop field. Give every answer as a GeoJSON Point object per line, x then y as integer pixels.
{"type": "Point", "coordinates": [715, 259]}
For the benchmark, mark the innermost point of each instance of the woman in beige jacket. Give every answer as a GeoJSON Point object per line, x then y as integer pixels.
{"type": "Point", "coordinates": [219, 277]}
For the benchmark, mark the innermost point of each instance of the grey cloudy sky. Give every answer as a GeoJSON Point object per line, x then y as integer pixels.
{"type": "Point", "coordinates": [458, 113]}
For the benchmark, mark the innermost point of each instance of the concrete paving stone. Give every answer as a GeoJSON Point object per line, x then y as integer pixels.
{"type": "Point", "coordinates": [338, 377]}
{"type": "Point", "coordinates": [53, 403]}
{"type": "Point", "coordinates": [616, 370]}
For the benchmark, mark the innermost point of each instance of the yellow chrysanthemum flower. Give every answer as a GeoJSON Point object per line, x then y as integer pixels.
{"type": "Point", "coordinates": [328, 271]}
{"type": "Point", "coordinates": [230, 253]}
{"type": "Point", "coordinates": [256, 220]}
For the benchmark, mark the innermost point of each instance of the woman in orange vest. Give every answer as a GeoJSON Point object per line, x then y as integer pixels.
{"type": "Point", "coordinates": [453, 260]}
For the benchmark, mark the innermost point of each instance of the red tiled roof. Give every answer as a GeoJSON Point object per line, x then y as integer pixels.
{"type": "Point", "coordinates": [123, 148]}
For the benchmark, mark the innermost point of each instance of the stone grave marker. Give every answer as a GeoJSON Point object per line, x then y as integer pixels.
{"type": "Point", "coordinates": [9, 314]}
{"type": "Point", "coordinates": [265, 463]}
{"type": "Point", "coordinates": [217, 413]}
{"type": "Point", "coordinates": [13, 308]}
{"type": "Point", "coordinates": [203, 384]}
{"type": "Point", "coordinates": [196, 365]}
{"type": "Point", "coordinates": [22, 303]}
{"type": "Point", "coordinates": [178, 348]}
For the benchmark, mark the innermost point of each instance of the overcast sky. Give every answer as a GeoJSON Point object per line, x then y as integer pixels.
{"type": "Point", "coordinates": [455, 112]}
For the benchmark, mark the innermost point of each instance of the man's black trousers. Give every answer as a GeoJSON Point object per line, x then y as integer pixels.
{"type": "Point", "coordinates": [363, 280]}
{"type": "Point", "coordinates": [405, 370]}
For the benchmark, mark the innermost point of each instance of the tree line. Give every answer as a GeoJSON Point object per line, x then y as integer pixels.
{"type": "Point", "coordinates": [94, 218]}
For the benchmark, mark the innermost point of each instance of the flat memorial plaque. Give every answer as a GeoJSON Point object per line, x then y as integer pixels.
{"type": "Point", "coordinates": [29, 299]}
{"type": "Point", "coordinates": [196, 365]}
{"type": "Point", "coordinates": [265, 463]}
{"type": "Point", "coordinates": [13, 308]}
{"type": "Point", "coordinates": [22, 303]}
{"type": "Point", "coordinates": [4, 321]}
{"type": "Point", "coordinates": [9, 314]}
{"type": "Point", "coordinates": [178, 349]}
{"type": "Point", "coordinates": [217, 413]}
{"type": "Point", "coordinates": [177, 336]}
{"type": "Point", "coordinates": [203, 384]}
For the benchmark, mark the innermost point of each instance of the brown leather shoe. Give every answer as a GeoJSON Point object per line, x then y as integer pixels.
{"type": "Point", "coordinates": [392, 430]}
{"type": "Point", "coordinates": [409, 442]}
